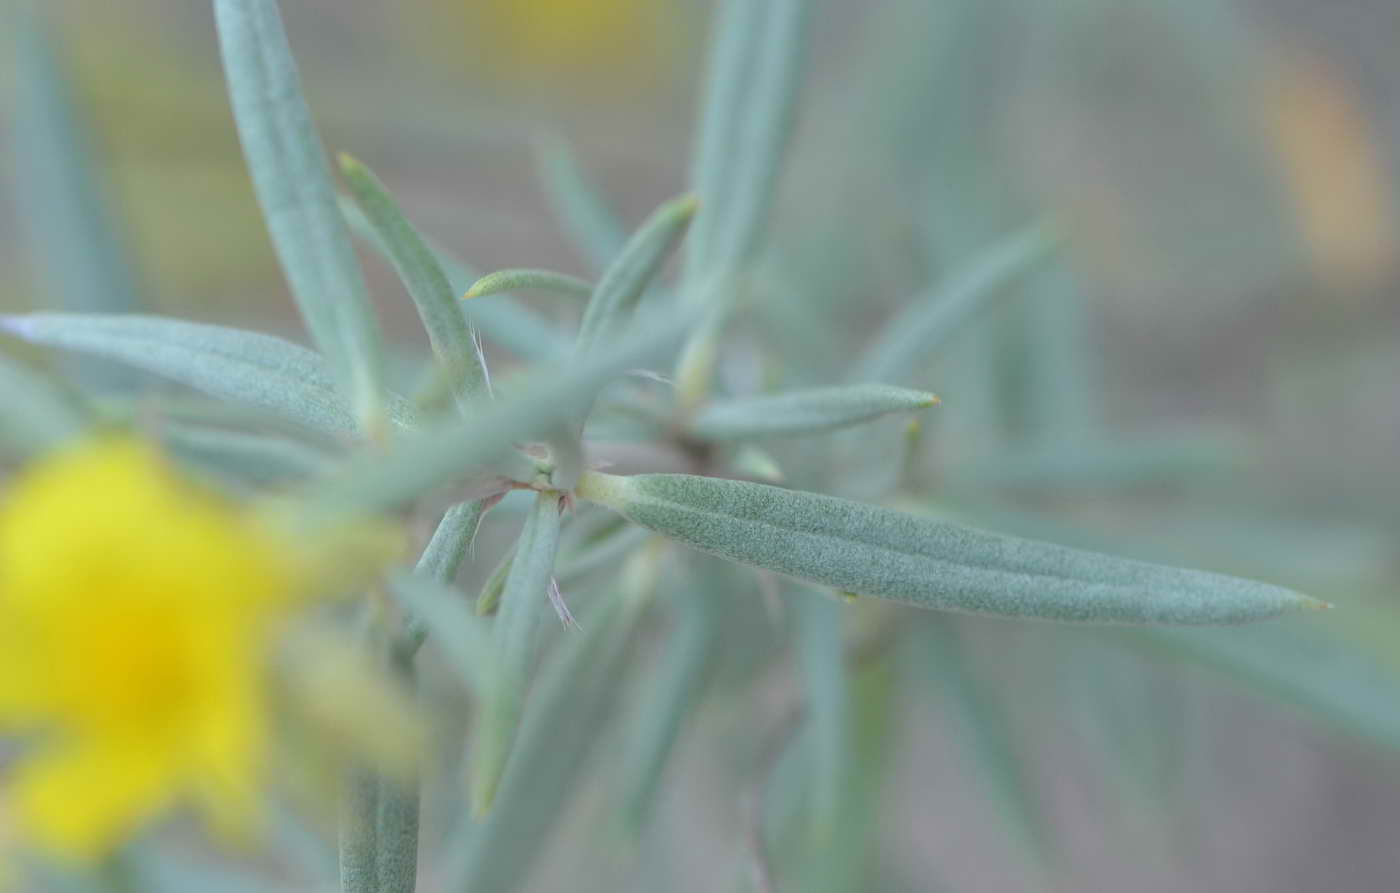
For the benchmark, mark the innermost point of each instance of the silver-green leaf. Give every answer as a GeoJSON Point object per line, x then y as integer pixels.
{"type": "Point", "coordinates": [232, 364]}
{"type": "Point", "coordinates": [293, 184]}
{"type": "Point", "coordinates": [626, 278]}
{"type": "Point", "coordinates": [505, 321]}
{"type": "Point", "coordinates": [912, 337]}
{"type": "Point", "coordinates": [578, 202]}
{"type": "Point", "coordinates": [804, 412]}
{"type": "Point", "coordinates": [462, 637]}
{"type": "Point", "coordinates": [524, 601]}
{"type": "Point", "coordinates": [453, 344]}
{"type": "Point", "coordinates": [867, 549]}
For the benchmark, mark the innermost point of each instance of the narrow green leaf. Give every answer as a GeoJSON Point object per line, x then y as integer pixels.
{"type": "Point", "coordinates": [626, 278]}
{"type": "Point", "coordinates": [606, 553]}
{"type": "Point", "coordinates": [450, 541]}
{"type": "Point", "coordinates": [988, 738]}
{"type": "Point", "coordinates": [568, 706]}
{"type": "Point", "coordinates": [544, 280]}
{"type": "Point", "coordinates": [1062, 373]}
{"type": "Point", "coordinates": [736, 40]}
{"type": "Point", "coordinates": [1310, 668]}
{"type": "Point", "coordinates": [429, 602]}
{"type": "Point", "coordinates": [489, 599]}
{"type": "Point", "coordinates": [451, 339]}
{"type": "Point", "coordinates": [804, 412]}
{"type": "Point", "coordinates": [848, 860]}
{"type": "Point", "coordinates": [293, 183]}
{"type": "Point", "coordinates": [524, 602]}
{"type": "Point", "coordinates": [397, 834]}
{"type": "Point", "coordinates": [684, 666]}
{"type": "Point", "coordinates": [439, 562]}
{"type": "Point", "coordinates": [358, 832]}
{"type": "Point", "coordinates": [35, 413]}
{"type": "Point", "coordinates": [855, 547]}
{"type": "Point", "coordinates": [462, 637]}
{"type": "Point", "coordinates": [67, 211]}
{"type": "Point", "coordinates": [232, 364]}
{"type": "Point", "coordinates": [505, 321]}
{"type": "Point", "coordinates": [911, 338]}
{"type": "Point", "coordinates": [768, 117]}
{"type": "Point", "coordinates": [823, 664]}
{"type": "Point", "coordinates": [578, 203]}
{"type": "Point", "coordinates": [420, 463]}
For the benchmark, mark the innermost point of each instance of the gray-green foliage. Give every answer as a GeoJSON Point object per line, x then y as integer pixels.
{"type": "Point", "coordinates": [454, 346]}
{"type": "Point", "coordinates": [66, 211]}
{"type": "Point", "coordinates": [250, 368]}
{"type": "Point", "coordinates": [807, 411]}
{"type": "Point", "coordinates": [870, 550]}
{"type": "Point", "coordinates": [542, 693]}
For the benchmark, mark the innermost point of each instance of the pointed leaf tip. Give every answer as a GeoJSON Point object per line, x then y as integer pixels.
{"type": "Point", "coordinates": [545, 280]}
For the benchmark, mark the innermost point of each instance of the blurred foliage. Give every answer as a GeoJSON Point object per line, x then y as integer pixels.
{"type": "Point", "coordinates": [1205, 376]}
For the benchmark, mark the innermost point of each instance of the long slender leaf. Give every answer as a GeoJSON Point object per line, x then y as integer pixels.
{"type": "Point", "coordinates": [450, 541]}
{"type": "Point", "coordinates": [568, 706]}
{"type": "Point", "coordinates": [489, 599]}
{"type": "Point", "coordinates": [504, 320]}
{"type": "Point", "coordinates": [1312, 669]}
{"type": "Point", "coordinates": [804, 412]}
{"type": "Point", "coordinates": [462, 637]}
{"type": "Point", "coordinates": [397, 832]}
{"type": "Point", "coordinates": [523, 603]}
{"type": "Point", "coordinates": [828, 712]}
{"type": "Point", "coordinates": [359, 831]}
{"type": "Point", "coordinates": [988, 735]}
{"type": "Point", "coordinates": [855, 547]}
{"type": "Point", "coordinates": [735, 42]}
{"type": "Point", "coordinates": [689, 653]}
{"type": "Point", "coordinates": [626, 278]}
{"type": "Point", "coordinates": [590, 224]}
{"type": "Point", "coordinates": [931, 320]}
{"type": "Point", "coordinates": [293, 183]}
{"type": "Point", "coordinates": [35, 414]}
{"type": "Point", "coordinates": [768, 118]}
{"type": "Point", "coordinates": [606, 553]}
{"type": "Point", "coordinates": [399, 805]}
{"type": "Point", "coordinates": [232, 364]}
{"type": "Point", "coordinates": [450, 337]}
{"type": "Point", "coordinates": [67, 211]}
{"type": "Point", "coordinates": [848, 860]}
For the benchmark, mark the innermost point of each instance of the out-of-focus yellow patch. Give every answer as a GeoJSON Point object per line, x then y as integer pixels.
{"type": "Point", "coordinates": [564, 45]}
{"type": "Point", "coordinates": [1332, 166]}
{"type": "Point", "coordinates": [136, 612]}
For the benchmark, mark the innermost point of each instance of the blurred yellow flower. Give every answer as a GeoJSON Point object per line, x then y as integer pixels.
{"type": "Point", "coordinates": [135, 611]}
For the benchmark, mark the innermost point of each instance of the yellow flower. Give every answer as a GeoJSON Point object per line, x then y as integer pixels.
{"type": "Point", "coordinates": [135, 613]}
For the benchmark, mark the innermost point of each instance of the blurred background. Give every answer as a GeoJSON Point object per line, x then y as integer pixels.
{"type": "Point", "coordinates": [1212, 377]}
